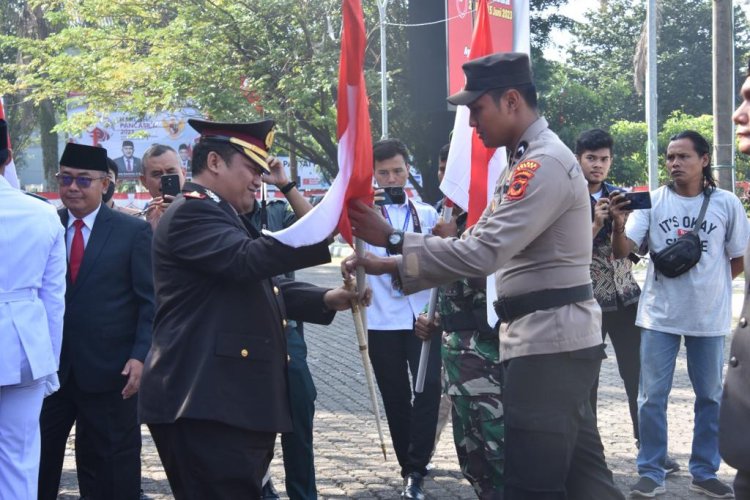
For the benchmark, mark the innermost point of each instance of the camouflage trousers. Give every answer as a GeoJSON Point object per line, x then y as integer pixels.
{"type": "Point", "coordinates": [479, 434]}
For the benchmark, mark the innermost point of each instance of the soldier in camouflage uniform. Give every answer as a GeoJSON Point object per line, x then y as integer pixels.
{"type": "Point", "coordinates": [471, 358]}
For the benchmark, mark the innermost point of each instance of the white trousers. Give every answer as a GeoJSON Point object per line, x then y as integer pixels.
{"type": "Point", "coordinates": [20, 440]}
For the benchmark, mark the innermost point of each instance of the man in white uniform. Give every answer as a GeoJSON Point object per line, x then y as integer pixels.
{"type": "Point", "coordinates": [32, 305]}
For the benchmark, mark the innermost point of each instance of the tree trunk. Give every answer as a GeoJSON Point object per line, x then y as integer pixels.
{"type": "Point", "coordinates": [47, 121]}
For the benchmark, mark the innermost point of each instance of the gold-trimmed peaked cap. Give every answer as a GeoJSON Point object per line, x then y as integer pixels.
{"type": "Point", "coordinates": [251, 139]}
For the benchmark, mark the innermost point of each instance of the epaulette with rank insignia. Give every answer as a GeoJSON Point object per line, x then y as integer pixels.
{"type": "Point", "coordinates": [196, 195]}
{"type": "Point", "coordinates": [37, 196]}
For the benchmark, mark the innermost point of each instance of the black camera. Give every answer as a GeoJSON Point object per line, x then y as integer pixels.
{"type": "Point", "coordinates": [391, 196]}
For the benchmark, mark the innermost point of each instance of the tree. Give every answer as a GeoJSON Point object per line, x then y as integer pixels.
{"type": "Point", "coordinates": [142, 57]}
{"type": "Point", "coordinates": [17, 15]}
{"type": "Point", "coordinates": [630, 165]}
{"type": "Point", "coordinates": [232, 60]}
{"type": "Point", "coordinates": [603, 54]}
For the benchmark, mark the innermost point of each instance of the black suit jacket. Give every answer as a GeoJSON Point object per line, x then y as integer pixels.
{"type": "Point", "coordinates": [219, 349]}
{"type": "Point", "coordinates": [122, 170]}
{"type": "Point", "coordinates": [109, 310]}
{"type": "Point", "coordinates": [734, 420]}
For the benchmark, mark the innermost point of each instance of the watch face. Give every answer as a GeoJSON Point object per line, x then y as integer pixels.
{"type": "Point", "coordinates": [394, 238]}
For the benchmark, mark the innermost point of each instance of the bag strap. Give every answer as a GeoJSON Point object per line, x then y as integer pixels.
{"type": "Point", "coordinates": [704, 206]}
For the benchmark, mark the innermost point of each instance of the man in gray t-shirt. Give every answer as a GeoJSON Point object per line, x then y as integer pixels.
{"type": "Point", "coordinates": [696, 305]}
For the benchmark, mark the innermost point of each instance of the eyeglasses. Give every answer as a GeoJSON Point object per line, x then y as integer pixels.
{"type": "Point", "coordinates": [82, 181]}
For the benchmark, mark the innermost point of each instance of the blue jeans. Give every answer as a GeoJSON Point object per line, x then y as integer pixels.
{"type": "Point", "coordinates": [705, 360]}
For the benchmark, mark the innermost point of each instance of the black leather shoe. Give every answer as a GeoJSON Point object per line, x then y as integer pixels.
{"type": "Point", "coordinates": [269, 492]}
{"type": "Point", "coordinates": [413, 486]}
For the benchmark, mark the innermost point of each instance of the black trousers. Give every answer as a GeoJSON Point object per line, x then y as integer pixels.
{"type": "Point", "coordinates": [112, 440]}
{"type": "Point", "coordinates": [299, 463]}
{"type": "Point", "coordinates": [552, 445]}
{"type": "Point", "coordinates": [394, 353]}
{"type": "Point", "coordinates": [205, 459]}
{"type": "Point", "coordinates": [626, 340]}
{"type": "Point", "coordinates": [742, 485]}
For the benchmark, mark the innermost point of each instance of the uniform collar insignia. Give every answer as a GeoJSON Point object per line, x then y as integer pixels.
{"type": "Point", "coordinates": [213, 195]}
{"type": "Point", "coordinates": [521, 149]}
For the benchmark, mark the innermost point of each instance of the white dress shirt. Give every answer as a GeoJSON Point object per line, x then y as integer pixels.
{"type": "Point", "coordinates": [390, 309]}
{"type": "Point", "coordinates": [88, 226]}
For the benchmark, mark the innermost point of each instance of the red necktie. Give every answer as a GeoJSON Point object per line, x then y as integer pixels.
{"type": "Point", "coordinates": [76, 250]}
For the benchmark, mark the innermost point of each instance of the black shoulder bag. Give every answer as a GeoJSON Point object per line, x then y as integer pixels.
{"type": "Point", "coordinates": [684, 253]}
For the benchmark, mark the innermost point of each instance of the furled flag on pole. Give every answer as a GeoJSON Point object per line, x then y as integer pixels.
{"type": "Point", "coordinates": [470, 188]}
{"type": "Point", "coordinates": [354, 180]}
{"type": "Point", "coordinates": [10, 169]}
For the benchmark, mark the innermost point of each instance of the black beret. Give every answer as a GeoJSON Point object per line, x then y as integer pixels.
{"type": "Point", "coordinates": [501, 70]}
{"type": "Point", "coordinates": [84, 157]}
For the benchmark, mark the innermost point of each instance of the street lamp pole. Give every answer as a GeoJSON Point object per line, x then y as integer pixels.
{"type": "Point", "coordinates": [651, 98]}
{"type": "Point", "coordinates": [382, 6]}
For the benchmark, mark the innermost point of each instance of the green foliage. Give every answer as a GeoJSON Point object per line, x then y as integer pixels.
{"type": "Point", "coordinates": [143, 57]}
{"type": "Point", "coordinates": [630, 166]}
{"type": "Point", "coordinates": [604, 46]}
{"type": "Point", "coordinates": [678, 122]}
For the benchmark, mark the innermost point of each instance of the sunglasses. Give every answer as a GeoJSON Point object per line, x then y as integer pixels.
{"type": "Point", "coordinates": [82, 181]}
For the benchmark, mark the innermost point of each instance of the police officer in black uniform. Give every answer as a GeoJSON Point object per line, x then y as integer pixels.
{"type": "Point", "coordinates": [214, 391]}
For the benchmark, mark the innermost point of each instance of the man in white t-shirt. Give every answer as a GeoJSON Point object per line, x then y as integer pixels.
{"type": "Point", "coordinates": [695, 305]}
{"type": "Point", "coordinates": [394, 349]}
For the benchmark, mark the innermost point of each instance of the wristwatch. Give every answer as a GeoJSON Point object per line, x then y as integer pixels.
{"type": "Point", "coordinates": [395, 242]}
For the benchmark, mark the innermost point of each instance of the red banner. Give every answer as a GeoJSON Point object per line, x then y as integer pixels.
{"type": "Point", "coordinates": [461, 15]}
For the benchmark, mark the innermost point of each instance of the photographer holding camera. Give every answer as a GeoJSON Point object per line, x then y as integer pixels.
{"type": "Point", "coordinates": [393, 347]}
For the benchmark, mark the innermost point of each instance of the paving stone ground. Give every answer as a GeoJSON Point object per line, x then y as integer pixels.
{"type": "Point", "coordinates": [349, 463]}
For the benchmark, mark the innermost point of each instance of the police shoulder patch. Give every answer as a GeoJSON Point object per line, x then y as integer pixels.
{"type": "Point", "coordinates": [523, 173]}
{"type": "Point", "coordinates": [196, 195]}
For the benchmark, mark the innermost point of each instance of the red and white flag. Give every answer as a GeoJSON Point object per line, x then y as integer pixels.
{"type": "Point", "coordinates": [354, 180]}
{"type": "Point", "coordinates": [10, 169]}
{"type": "Point", "coordinates": [472, 169]}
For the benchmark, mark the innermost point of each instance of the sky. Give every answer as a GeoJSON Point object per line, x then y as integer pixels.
{"type": "Point", "coordinates": [575, 9]}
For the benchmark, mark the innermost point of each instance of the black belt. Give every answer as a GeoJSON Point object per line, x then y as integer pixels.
{"type": "Point", "coordinates": [512, 308]}
{"type": "Point", "coordinates": [475, 319]}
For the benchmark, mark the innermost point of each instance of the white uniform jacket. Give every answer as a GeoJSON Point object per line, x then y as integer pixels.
{"type": "Point", "coordinates": [32, 285]}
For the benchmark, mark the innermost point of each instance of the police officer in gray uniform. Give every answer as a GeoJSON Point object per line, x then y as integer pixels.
{"type": "Point", "coordinates": [734, 417]}
{"type": "Point", "coordinates": [535, 236]}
